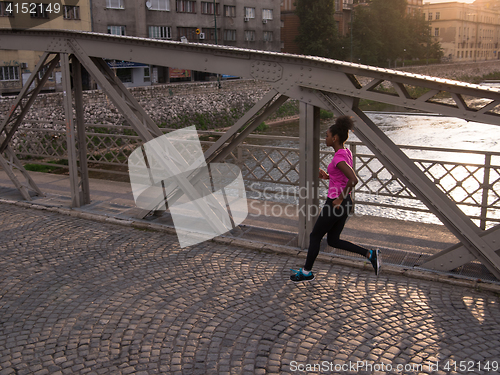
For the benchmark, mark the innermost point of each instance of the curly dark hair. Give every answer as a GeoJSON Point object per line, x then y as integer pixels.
{"type": "Point", "coordinates": [341, 127]}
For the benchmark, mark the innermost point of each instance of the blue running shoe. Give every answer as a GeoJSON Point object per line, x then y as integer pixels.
{"type": "Point", "coordinates": [301, 276]}
{"type": "Point", "coordinates": [375, 260]}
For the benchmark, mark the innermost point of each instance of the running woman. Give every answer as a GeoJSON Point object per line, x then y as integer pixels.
{"type": "Point", "coordinates": [333, 216]}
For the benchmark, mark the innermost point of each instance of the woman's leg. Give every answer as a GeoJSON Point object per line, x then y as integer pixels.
{"type": "Point", "coordinates": [326, 220]}
{"type": "Point", "coordinates": [333, 237]}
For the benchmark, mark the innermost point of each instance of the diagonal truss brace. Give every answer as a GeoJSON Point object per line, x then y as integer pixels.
{"type": "Point", "coordinates": [13, 120]}
{"type": "Point", "coordinates": [25, 99]}
{"type": "Point", "coordinates": [11, 163]}
{"type": "Point", "coordinates": [238, 132]}
{"type": "Point", "coordinates": [244, 126]}
{"type": "Point", "coordinates": [397, 162]}
{"type": "Point", "coordinates": [458, 255]}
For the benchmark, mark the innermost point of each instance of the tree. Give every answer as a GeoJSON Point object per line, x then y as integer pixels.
{"type": "Point", "coordinates": [317, 31]}
{"type": "Point", "coordinates": [384, 34]}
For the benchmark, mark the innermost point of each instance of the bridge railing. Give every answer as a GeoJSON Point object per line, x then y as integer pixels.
{"type": "Point", "coordinates": [471, 178]}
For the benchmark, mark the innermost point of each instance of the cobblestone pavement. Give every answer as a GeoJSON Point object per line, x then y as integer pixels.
{"type": "Point", "coordinates": [82, 297]}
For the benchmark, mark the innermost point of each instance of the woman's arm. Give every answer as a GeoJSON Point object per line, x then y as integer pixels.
{"type": "Point", "coordinates": [323, 175]}
{"type": "Point", "coordinates": [353, 180]}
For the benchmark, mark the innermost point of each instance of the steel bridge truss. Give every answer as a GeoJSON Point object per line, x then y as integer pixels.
{"type": "Point", "coordinates": [315, 82]}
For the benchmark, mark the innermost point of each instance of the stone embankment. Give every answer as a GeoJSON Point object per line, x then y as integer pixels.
{"type": "Point", "coordinates": [182, 104]}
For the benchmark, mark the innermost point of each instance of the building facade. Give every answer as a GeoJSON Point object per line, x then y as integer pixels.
{"type": "Point", "coordinates": [240, 23]}
{"type": "Point", "coordinates": [16, 66]}
{"type": "Point", "coordinates": [466, 32]}
{"type": "Point", "coordinates": [289, 27]}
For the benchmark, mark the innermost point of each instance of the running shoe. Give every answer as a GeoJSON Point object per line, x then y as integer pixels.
{"type": "Point", "coordinates": [300, 276]}
{"type": "Point", "coordinates": [375, 260]}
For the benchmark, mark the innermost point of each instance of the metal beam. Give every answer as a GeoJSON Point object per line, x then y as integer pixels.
{"type": "Point", "coordinates": [80, 131]}
{"type": "Point", "coordinates": [283, 71]}
{"type": "Point", "coordinates": [76, 197]}
{"type": "Point", "coordinates": [309, 124]}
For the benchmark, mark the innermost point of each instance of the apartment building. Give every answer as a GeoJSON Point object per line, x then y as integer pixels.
{"type": "Point", "coordinates": [16, 66]}
{"type": "Point", "coordinates": [466, 32]}
{"type": "Point", "coordinates": [240, 23]}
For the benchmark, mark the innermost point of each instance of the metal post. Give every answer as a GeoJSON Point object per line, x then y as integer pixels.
{"type": "Point", "coordinates": [80, 128]}
{"type": "Point", "coordinates": [486, 188]}
{"type": "Point", "coordinates": [308, 171]}
{"type": "Point", "coordinates": [70, 131]}
{"type": "Point", "coordinates": [215, 22]}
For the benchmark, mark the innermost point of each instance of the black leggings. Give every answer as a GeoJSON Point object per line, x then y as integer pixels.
{"type": "Point", "coordinates": [331, 221]}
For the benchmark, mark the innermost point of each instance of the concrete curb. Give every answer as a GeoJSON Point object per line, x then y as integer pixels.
{"type": "Point", "coordinates": [421, 274]}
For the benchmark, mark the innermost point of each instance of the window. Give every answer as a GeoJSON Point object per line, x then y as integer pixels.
{"type": "Point", "coordinates": [125, 75]}
{"type": "Point", "coordinates": [42, 72]}
{"type": "Point", "coordinates": [210, 33]}
{"type": "Point", "coordinates": [267, 14]}
{"type": "Point", "coordinates": [249, 12]}
{"type": "Point", "coordinates": [430, 16]}
{"type": "Point", "coordinates": [115, 4]}
{"type": "Point", "coordinates": [9, 73]}
{"type": "Point", "coordinates": [229, 11]}
{"type": "Point", "coordinates": [3, 9]}
{"type": "Point", "coordinates": [39, 10]}
{"type": "Point", "coordinates": [185, 6]}
{"type": "Point", "coordinates": [337, 6]}
{"type": "Point", "coordinates": [230, 35]}
{"type": "Point", "coordinates": [436, 31]}
{"type": "Point", "coordinates": [268, 36]}
{"type": "Point", "coordinates": [160, 5]}
{"type": "Point", "coordinates": [208, 8]}
{"type": "Point", "coordinates": [188, 32]}
{"type": "Point", "coordinates": [249, 35]}
{"type": "Point", "coordinates": [116, 30]}
{"type": "Point", "coordinates": [147, 75]}
{"type": "Point", "coordinates": [160, 32]}
{"type": "Point", "coordinates": [71, 12]}
{"type": "Point", "coordinates": [438, 15]}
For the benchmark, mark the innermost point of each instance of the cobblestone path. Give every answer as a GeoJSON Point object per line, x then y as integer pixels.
{"type": "Point", "coordinates": [82, 297]}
